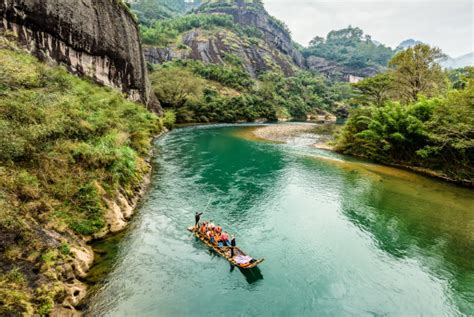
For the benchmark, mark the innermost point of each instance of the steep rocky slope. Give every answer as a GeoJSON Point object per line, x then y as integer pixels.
{"type": "Point", "coordinates": [338, 71]}
{"type": "Point", "coordinates": [265, 45]}
{"type": "Point", "coordinates": [97, 39]}
{"type": "Point", "coordinates": [271, 48]}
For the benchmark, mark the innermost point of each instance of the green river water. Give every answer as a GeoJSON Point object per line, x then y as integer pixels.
{"type": "Point", "coordinates": [340, 237]}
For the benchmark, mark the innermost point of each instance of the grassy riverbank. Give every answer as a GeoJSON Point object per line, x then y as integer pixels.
{"type": "Point", "coordinates": [68, 149]}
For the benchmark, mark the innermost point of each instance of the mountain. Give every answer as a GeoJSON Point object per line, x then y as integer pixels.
{"type": "Point", "coordinates": [148, 11]}
{"type": "Point", "coordinates": [406, 44]}
{"type": "Point", "coordinates": [449, 62]}
{"type": "Point", "coordinates": [219, 31]}
{"type": "Point", "coordinates": [459, 62]}
{"type": "Point", "coordinates": [347, 54]}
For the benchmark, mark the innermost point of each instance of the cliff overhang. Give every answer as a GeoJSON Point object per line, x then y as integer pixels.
{"type": "Point", "coordinates": [96, 39]}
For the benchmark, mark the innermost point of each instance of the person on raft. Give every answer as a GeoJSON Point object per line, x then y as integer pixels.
{"type": "Point", "coordinates": [232, 246]}
{"type": "Point", "coordinates": [197, 217]}
{"type": "Point", "coordinates": [214, 234]}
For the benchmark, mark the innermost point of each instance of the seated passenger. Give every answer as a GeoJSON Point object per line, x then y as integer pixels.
{"type": "Point", "coordinates": [225, 239]}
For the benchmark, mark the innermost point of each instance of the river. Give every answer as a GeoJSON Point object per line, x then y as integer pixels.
{"type": "Point", "coordinates": [340, 237]}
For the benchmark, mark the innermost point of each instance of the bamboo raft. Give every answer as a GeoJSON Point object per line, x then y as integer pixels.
{"type": "Point", "coordinates": [225, 251]}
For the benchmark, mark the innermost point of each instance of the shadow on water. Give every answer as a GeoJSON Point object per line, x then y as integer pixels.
{"type": "Point", "coordinates": [251, 275]}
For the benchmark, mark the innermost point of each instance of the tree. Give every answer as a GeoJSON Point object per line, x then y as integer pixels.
{"type": "Point", "coordinates": [460, 77]}
{"type": "Point", "coordinates": [317, 40]}
{"type": "Point", "coordinates": [451, 133]}
{"type": "Point", "coordinates": [415, 72]}
{"type": "Point", "coordinates": [174, 86]}
{"type": "Point", "coordinates": [373, 90]}
{"type": "Point", "coordinates": [350, 47]}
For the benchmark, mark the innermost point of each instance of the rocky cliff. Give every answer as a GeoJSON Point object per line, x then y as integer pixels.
{"type": "Point", "coordinates": [253, 14]}
{"type": "Point", "coordinates": [272, 50]}
{"type": "Point", "coordinates": [94, 38]}
{"type": "Point", "coordinates": [215, 47]}
{"type": "Point", "coordinates": [337, 71]}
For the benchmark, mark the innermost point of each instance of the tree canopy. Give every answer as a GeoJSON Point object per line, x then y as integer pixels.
{"type": "Point", "coordinates": [416, 71]}
{"type": "Point", "coordinates": [349, 47]}
{"type": "Point", "coordinates": [408, 116]}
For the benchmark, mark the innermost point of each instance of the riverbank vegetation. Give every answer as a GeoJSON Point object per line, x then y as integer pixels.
{"type": "Point", "coordinates": [198, 92]}
{"type": "Point", "coordinates": [414, 115]}
{"type": "Point", "coordinates": [66, 144]}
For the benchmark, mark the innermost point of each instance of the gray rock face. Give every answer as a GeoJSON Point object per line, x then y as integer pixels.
{"type": "Point", "coordinates": [94, 38]}
{"type": "Point", "coordinates": [256, 16]}
{"type": "Point", "coordinates": [334, 70]}
{"type": "Point", "coordinates": [213, 48]}
{"type": "Point", "coordinates": [273, 51]}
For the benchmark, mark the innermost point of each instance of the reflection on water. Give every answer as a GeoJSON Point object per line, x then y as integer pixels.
{"type": "Point", "coordinates": [340, 237]}
{"type": "Point", "coordinates": [409, 223]}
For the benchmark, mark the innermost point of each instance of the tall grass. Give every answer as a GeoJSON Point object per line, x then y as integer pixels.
{"type": "Point", "coordinates": [65, 145]}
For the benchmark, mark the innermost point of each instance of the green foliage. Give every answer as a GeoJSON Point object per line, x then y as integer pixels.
{"type": "Point", "coordinates": [65, 249]}
{"type": "Point", "coordinates": [436, 133]}
{"type": "Point", "coordinates": [174, 85]}
{"type": "Point", "coordinates": [416, 72]}
{"type": "Point", "coordinates": [350, 47]}
{"type": "Point", "coordinates": [164, 32]}
{"type": "Point", "coordinates": [54, 125]}
{"type": "Point", "coordinates": [149, 11]}
{"type": "Point", "coordinates": [169, 119]}
{"type": "Point", "coordinates": [460, 77]}
{"type": "Point", "coordinates": [301, 94]}
{"type": "Point", "coordinates": [373, 90]}
{"type": "Point", "coordinates": [451, 134]}
{"type": "Point", "coordinates": [228, 75]}
{"type": "Point", "coordinates": [210, 5]}
{"type": "Point", "coordinates": [65, 145]}
{"type": "Point", "coordinates": [15, 299]}
{"type": "Point", "coordinates": [200, 92]}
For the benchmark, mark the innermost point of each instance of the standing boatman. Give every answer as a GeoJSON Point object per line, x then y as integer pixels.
{"type": "Point", "coordinates": [232, 246]}
{"type": "Point", "coordinates": [197, 217]}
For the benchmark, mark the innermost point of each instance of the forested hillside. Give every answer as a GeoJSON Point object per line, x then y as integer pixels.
{"type": "Point", "coordinates": [148, 11]}
{"type": "Point", "coordinates": [347, 52]}
{"type": "Point", "coordinates": [231, 61]}
{"type": "Point", "coordinates": [198, 92]}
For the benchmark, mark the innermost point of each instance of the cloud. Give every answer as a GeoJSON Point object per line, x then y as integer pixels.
{"type": "Point", "coordinates": [447, 24]}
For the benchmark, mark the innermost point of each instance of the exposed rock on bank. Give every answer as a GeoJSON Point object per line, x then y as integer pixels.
{"type": "Point", "coordinates": [310, 134]}
{"type": "Point", "coordinates": [334, 70]}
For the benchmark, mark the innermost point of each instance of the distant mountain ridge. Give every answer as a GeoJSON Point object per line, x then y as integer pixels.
{"type": "Point", "coordinates": [449, 62]}
{"type": "Point", "coordinates": [407, 43]}
{"type": "Point", "coordinates": [459, 62]}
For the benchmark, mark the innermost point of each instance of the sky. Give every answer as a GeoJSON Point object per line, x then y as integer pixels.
{"type": "Point", "coordinates": [447, 24]}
